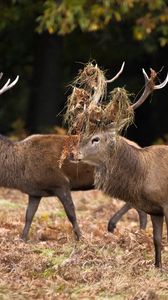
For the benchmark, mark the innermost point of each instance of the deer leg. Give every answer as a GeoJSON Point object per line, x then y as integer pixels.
{"type": "Point", "coordinates": [166, 218]}
{"type": "Point", "coordinates": [157, 222]}
{"type": "Point", "coordinates": [142, 219]}
{"type": "Point", "coordinates": [117, 216]}
{"type": "Point", "coordinates": [33, 204]}
{"type": "Point", "coordinates": [65, 197]}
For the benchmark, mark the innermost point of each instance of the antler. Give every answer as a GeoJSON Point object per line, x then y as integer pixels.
{"type": "Point", "coordinates": [149, 87]}
{"type": "Point", "coordinates": [8, 85]}
{"type": "Point", "coordinates": [117, 75]}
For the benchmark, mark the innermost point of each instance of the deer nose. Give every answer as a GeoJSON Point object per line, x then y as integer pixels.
{"type": "Point", "coordinates": [71, 156]}
{"type": "Point", "coordinates": [79, 156]}
{"type": "Point", "coordinates": [75, 157]}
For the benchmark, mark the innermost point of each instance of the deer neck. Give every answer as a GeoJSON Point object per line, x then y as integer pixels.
{"type": "Point", "coordinates": [118, 174]}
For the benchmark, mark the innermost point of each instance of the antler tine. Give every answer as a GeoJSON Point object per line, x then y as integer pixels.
{"type": "Point", "coordinates": [161, 85]}
{"type": "Point", "coordinates": [145, 76]}
{"type": "Point", "coordinates": [117, 75]}
{"type": "Point", "coordinates": [7, 85]}
{"type": "Point", "coordinates": [149, 87]}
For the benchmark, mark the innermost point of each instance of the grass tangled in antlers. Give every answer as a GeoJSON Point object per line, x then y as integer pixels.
{"type": "Point", "coordinates": [86, 108]}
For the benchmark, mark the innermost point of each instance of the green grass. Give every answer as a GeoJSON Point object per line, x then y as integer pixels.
{"type": "Point", "coordinates": [7, 204]}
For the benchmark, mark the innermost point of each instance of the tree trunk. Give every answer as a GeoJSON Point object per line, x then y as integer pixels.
{"type": "Point", "coordinates": [46, 97]}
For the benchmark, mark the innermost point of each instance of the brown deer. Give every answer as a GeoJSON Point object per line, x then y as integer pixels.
{"type": "Point", "coordinates": [32, 166]}
{"type": "Point", "coordinates": [138, 176]}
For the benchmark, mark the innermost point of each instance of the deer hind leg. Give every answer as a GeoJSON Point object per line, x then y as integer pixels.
{"type": "Point", "coordinates": [142, 219]}
{"type": "Point", "coordinates": [32, 207]}
{"type": "Point", "coordinates": [65, 197]}
{"type": "Point", "coordinates": [117, 216]}
{"type": "Point", "coordinates": [157, 222]}
{"type": "Point", "coordinates": [165, 209]}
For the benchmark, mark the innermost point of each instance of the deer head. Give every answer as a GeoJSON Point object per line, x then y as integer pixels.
{"type": "Point", "coordinates": [95, 147]}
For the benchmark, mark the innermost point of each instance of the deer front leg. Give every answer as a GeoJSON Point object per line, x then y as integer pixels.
{"type": "Point", "coordinates": [142, 219]}
{"type": "Point", "coordinates": [157, 222]}
{"type": "Point", "coordinates": [117, 216]}
{"type": "Point", "coordinates": [65, 197]}
{"type": "Point", "coordinates": [33, 204]}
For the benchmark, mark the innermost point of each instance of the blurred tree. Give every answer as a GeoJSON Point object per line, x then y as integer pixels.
{"type": "Point", "coordinates": [17, 36]}
{"type": "Point", "coordinates": [147, 17]}
{"type": "Point", "coordinates": [46, 95]}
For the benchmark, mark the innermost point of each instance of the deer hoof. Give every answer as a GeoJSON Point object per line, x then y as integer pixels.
{"type": "Point", "coordinates": [111, 226]}
{"type": "Point", "coordinates": [77, 233]}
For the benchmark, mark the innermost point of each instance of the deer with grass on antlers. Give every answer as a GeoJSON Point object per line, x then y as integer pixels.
{"type": "Point", "coordinates": [137, 176]}
{"type": "Point", "coordinates": [91, 83]}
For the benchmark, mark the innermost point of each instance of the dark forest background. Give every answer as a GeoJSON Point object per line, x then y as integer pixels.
{"type": "Point", "coordinates": [46, 43]}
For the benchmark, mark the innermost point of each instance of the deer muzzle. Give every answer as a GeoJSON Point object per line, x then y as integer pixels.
{"type": "Point", "coordinates": [75, 157]}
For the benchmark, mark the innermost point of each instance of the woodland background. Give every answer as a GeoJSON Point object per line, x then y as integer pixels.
{"type": "Point", "coordinates": [46, 43]}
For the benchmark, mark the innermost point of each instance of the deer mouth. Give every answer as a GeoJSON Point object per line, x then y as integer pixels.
{"type": "Point", "coordinates": [75, 158]}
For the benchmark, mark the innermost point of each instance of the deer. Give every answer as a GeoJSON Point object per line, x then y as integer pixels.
{"type": "Point", "coordinates": [32, 166]}
{"type": "Point", "coordinates": [139, 176]}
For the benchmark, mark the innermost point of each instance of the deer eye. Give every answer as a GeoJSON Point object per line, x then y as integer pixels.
{"type": "Point", "coordinates": [95, 140]}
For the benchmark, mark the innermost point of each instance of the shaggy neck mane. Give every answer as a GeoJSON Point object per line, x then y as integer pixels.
{"type": "Point", "coordinates": [118, 175]}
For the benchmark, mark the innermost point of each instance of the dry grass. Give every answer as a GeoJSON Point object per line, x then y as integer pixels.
{"type": "Point", "coordinates": [87, 109]}
{"type": "Point", "coordinates": [52, 265]}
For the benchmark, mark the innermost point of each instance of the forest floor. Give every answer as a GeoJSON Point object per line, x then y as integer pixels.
{"type": "Point", "coordinates": [52, 265]}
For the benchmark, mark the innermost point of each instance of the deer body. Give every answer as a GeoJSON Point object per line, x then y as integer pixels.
{"type": "Point", "coordinates": [32, 166]}
{"type": "Point", "coordinates": [139, 177]}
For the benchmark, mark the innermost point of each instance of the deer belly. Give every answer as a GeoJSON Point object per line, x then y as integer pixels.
{"type": "Point", "coordinates": [148, 206]}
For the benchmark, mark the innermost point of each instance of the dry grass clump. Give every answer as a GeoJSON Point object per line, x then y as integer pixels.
{"type": "Point", "coordinates": [120, 107]}
{"type": "Point", "coordinates": [87, 108]}
{"type": "Point", "coordinates": [69, 146]}
{"type": "Point", "coordinates": [89, 87]}
{"type": "Point", "coordinates": [93, 81]}
{"type": "Point", "coordinates": [76, 105]}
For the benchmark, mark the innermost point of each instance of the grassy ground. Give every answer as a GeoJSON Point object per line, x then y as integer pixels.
{"type": "Point", "coordinates": [52, 265]}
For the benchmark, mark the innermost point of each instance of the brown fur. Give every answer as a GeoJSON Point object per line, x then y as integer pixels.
{"type": "Point", "coordinates": [134, 187]}
{"type": "Point", "coordinates": [32, 166]}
